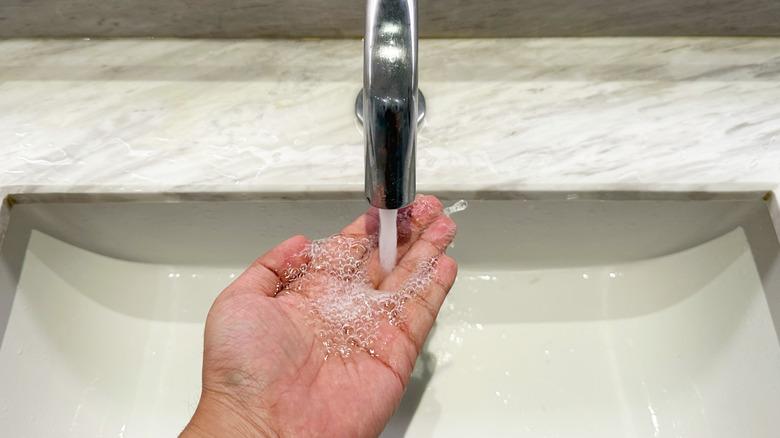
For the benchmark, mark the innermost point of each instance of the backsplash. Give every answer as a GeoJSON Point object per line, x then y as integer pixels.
{"type": "Point", "coordinates": [344, 18]}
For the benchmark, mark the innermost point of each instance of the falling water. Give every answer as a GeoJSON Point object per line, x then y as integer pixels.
{"type": "Point", "coordinates": [388, 238]}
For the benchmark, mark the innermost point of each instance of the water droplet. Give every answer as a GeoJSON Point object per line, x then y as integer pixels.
{"type": "Point", "coordinates": [456, 207]}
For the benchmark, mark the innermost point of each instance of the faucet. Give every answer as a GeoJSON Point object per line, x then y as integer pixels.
{"type": "Point", "coordinates": [390, 105]}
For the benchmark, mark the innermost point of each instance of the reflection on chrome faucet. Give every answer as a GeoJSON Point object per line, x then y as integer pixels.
{"type": "Point", "coordinates": [388, 105]}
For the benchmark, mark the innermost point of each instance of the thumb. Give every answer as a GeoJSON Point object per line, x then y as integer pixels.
{"type": "Point", "coordinates": [265, 274]}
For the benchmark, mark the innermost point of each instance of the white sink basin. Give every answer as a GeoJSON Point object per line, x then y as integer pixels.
{"type": "Point", "coordinates": [569, 318]}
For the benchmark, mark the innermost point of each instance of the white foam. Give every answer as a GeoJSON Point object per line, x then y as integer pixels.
{"type": "Point", "coordinates": [341, 302]}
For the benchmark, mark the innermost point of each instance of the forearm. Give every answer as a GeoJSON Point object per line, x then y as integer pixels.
{"type": "Point", "coordinates": [216, 417]}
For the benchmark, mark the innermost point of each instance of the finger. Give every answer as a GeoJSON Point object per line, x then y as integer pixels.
{"type": "Point", "coordinates": [432, 242]}
{"type": "Point", "coordinates": [415, 218]}
{"type": "Point", "coordinates": [365, 225]}
{"type": "Point", "coordinates": [421, 309]}
{"type": "Point", "coordinates": [399, 345]}
{"type": "Point", "coordinates": [266, 273]}
{"type": "Point", "coordinates": [411, 223]}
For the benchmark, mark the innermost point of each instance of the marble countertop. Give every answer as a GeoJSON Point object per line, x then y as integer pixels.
{"type": "Point", "coordinates": [151, 116]}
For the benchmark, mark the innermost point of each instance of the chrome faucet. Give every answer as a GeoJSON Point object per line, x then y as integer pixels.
{"type": "Point", "coordinates": [390, 105]}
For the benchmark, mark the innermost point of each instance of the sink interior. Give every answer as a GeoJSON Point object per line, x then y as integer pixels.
{"type": "Point", "coordinates": [571, 318]}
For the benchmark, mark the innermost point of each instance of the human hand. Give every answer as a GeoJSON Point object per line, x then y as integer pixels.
{"type": "Point", "coordinates": [272, 365]}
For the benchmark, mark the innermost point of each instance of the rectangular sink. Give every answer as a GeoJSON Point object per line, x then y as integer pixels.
{"type": "Point", "coordinates": [569, 318]}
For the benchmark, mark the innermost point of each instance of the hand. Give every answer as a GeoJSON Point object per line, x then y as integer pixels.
{"type": "Point", "coordinates": [265, 370]}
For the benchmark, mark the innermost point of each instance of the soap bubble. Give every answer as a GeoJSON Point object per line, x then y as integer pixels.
{"type": "Point", "coordinates": [339, 299]}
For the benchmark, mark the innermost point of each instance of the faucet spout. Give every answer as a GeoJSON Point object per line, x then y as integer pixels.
{"type": "Point", "coordinates": [390, 100]}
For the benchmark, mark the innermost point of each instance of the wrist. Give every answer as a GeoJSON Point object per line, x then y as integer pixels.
{"type": "Point", "coordinates": [220, 416]}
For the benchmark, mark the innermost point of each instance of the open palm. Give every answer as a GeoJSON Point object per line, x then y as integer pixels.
{"type": "Point", "coordinates": [266, 371]}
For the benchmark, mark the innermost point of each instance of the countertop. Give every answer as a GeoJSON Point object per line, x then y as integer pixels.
{"type": "Point", "coordinates": [207, 116]}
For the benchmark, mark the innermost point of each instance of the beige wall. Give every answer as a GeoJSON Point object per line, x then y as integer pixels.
{"type": "Point", "coordinates": [343, 18]}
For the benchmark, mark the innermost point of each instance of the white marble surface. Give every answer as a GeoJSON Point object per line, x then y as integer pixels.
{"type": "Point", "coordinates": [128, 116]}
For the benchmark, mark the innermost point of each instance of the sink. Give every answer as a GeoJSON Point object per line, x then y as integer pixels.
{"type": "Point", "coordinates": [642, 315]}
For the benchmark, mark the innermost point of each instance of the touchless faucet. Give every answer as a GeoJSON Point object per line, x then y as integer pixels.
{"type": "Point", "coordinates": [389, 105]}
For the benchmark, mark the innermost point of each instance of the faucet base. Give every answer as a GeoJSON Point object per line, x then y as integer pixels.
{"type": "Point", "coordinates": [420, 107]}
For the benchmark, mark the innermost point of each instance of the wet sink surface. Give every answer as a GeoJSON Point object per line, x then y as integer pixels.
{"type": "Point", "coordinates": [569, 318]}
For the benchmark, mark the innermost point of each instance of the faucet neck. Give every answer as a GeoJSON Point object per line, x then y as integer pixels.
{"type": "Point", "coordinates": [390, 101]}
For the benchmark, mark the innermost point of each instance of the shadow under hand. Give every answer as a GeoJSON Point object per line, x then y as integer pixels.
{"type": "Point", "coordinates": [418, 384]}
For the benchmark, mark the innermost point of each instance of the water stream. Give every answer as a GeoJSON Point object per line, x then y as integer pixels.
{"type": "Point", "coordinates": [388, 238]}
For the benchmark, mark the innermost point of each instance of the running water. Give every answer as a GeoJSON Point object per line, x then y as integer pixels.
{"type": "Point", "coordinates": [336, 289]}
{"type": "Point", "coordinates": [388, 238]}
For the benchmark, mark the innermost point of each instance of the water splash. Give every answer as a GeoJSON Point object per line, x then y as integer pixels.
{"type": "Point", "coordinates": [456, 207]}
{"type": "Point", "coordinates": [339, 299]}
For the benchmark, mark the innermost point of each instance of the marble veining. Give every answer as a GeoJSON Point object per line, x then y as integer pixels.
{"type": "Point", "coordinates": [199, 115]}
{"type": "Point", "coordinates": [199, 118]}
